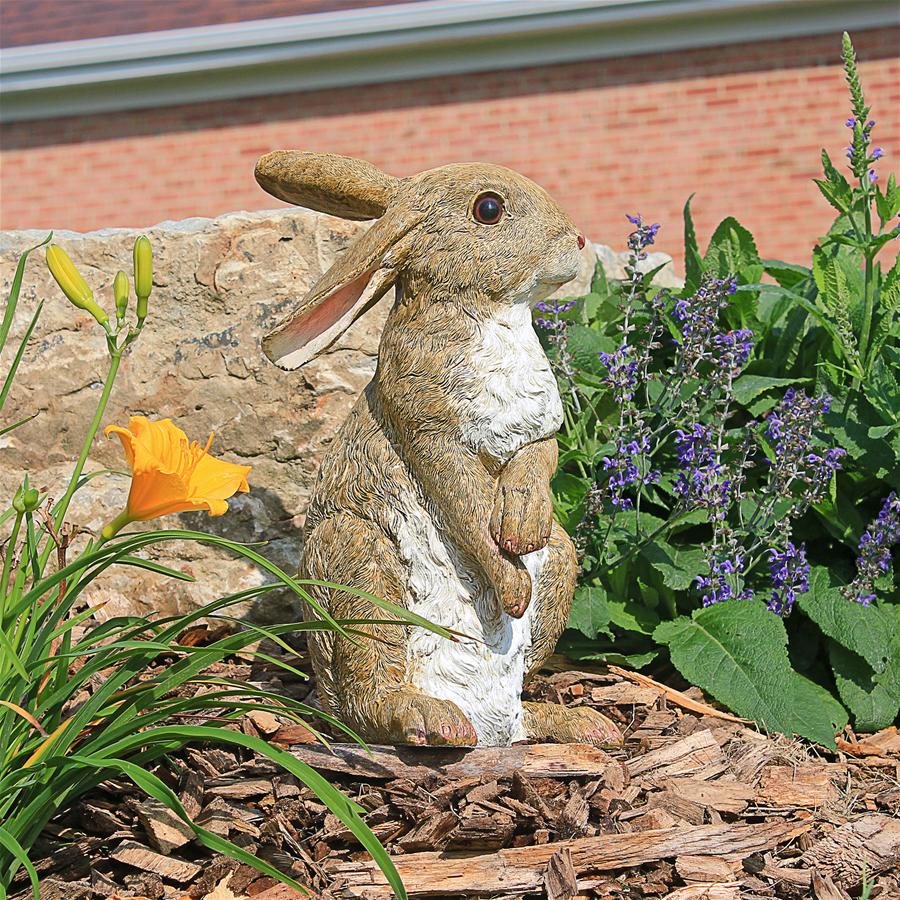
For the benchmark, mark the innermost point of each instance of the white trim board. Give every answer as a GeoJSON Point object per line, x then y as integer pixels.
{"type": "Point", "coordinates": [390, 43]}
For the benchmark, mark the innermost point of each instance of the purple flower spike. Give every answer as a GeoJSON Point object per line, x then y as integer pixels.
{"type": "Point", "coordinates": [725, 580]}
{"type": "Point", "coordinates": [851, 122]}
{"type": "Point", "coordinates": [790, 576]}
{"type": "Point", "coordinates": [875, 549]}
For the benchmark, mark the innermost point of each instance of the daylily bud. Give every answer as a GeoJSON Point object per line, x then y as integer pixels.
{"type": "Point", "coordinates": [120, 292]}
{"type": "Point", "coordinates": [73, 285]}
{"type": "Point", "coordinates": [26, 499]}
{"type": "Point", "coordinates": [143, 275]}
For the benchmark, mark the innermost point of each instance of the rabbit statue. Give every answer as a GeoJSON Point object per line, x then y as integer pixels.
{"type": "Point", "coordinates": [435, 493]}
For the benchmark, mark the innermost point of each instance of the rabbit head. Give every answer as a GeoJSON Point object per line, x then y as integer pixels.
{"type": "Point", "coordinates": [470, 233]}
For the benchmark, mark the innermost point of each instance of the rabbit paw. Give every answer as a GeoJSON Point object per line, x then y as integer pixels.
{"type": "Point", "coordinates": [578, 725]}
{"type": "Point", "coordinates": [522, 517]}
{"type": "Point", "coordinates": [512, 583]}
{"type": "Point", "coordinates": [419, 719]}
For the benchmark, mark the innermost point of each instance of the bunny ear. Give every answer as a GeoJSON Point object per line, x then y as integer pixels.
{"type": "Point", "coordinates": [339, 185]}
{"type": "Point", "coordinates": [340, 296]}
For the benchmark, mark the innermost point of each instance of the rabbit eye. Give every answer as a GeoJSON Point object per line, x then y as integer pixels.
{"type": "Point", "coordinates": [488, 208]}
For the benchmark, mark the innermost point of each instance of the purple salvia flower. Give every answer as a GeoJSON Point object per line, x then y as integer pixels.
{"type": "Point", "coordinates": [789, 571]}
{"type": "Point", "coordinates": [790, 428]}
{"type": "Point", "coordinates": [555, 308]}
{"type": "Point", "coordinates": [725, 579]}
{"type": "Point", "coordinates": [701, 483]}
{"type": "Point", "coordinates": [642, 237]}
{"type": "Point", "coordinates": [732, 350]}
{"type": "Point", "coordinates": [875, 550]}
{"type": "Point", "coordinates": [622, 377]}
{"type": "Point", "coordinates": [624, 470]}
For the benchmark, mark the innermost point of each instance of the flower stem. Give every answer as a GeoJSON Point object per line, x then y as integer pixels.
{"type": "Point", "coordinates": [7, 564]}
{"type": "Point", "coordinates": [869, 292]}
{"type": "Point", "coordinates": [115, 526]}
{"type": "Point", "coordinates": [62, 507]}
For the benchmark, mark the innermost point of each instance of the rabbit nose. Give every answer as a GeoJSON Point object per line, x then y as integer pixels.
{"type": "Point", "coordinates": [581, 242]}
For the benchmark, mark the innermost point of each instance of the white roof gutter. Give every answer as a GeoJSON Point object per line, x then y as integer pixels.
{"type": "Point", "coordinates": [389, 43]}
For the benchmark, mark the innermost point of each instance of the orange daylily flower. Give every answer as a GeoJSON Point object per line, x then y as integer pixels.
{"type": "Point", "coordinates": [170, 474]}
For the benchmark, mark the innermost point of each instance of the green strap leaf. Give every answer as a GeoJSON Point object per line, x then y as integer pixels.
{"type": "Point", "coordinates": [20, 858]}
{"type": "Point", "coordinates": [12, 301]}
{"type": "Point", "coordinates": [693, 264]}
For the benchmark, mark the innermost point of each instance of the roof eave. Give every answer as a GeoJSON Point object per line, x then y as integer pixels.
{"type": "Point", "coordinates": [387, 44]}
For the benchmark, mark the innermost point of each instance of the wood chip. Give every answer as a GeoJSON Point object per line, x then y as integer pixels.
{"type": "Point", "coordinates": [625, 694]}
{"type": "Point", "coordinates": [191, 793]}
{"type": "Point", "coordinates": [573, 819]}
{"type": "Point", "coordinates": [165, 830]}
{"type": "Point", "coordinates": [883, 743]}
{"type": "Point", "coordinates": [706, 868]}
{"type": "Point", "coordinates": [420, 763]}
{"type": "Point", "coordinates": [724, 796]}
{"type": "Point", "coordinates": [560, 880]}
{"type": "Point", "coordinates": [267, 723]}
{"type": "Point", "coordinates": [730, 890]}
{"type": "Point", "coordinates": [698, 756]}
{"type": "Point", "coordinates": [431, 833]}
{"type": "Point", "coordinates": [872, 842]}
{"type": "Point", "coordinates": [139, 857]}
{"type": "Point", "coordinates": [288, 735]}
{"type": "Point", "coordinates": [797, 786]}
{"type": "Point", "coordinates": [678, 697]}
{"type": "Point", "coordinates": [825, 889]}
{"type": "Point", "coordinates": [480, 830]}
{"type": "Point", "coordinates": [522, 869]}
{"type": "Point", "coordinates": [239, 789]}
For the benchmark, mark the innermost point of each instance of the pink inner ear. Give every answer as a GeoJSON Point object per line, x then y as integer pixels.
{"type": "Point", "coordinates": [328, 312]}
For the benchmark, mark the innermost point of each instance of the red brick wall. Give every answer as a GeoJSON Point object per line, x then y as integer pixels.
{"type": "Point", "coordinates": [742, 126]}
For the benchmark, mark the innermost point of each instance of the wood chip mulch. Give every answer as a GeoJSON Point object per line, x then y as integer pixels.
{"type": "Point", "coordinates": [695, 806]}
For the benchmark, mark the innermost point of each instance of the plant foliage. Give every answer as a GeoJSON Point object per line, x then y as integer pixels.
{"type": "Point", "coordinates": [730, 461]}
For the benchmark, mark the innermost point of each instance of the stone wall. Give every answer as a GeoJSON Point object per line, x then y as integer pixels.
{"type": "Point", "coordinates": [219, 284]}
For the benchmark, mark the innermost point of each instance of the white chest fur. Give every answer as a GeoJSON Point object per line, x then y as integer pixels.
{"type": "Point", "coordinates": [514, 397]}
{"type": "Point", "coordinates": [483, 674]}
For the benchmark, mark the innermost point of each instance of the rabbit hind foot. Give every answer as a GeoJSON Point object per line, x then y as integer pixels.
{"type": "Point", "coordinates": [563, 724]}
{"type": "Point", "coordinates": [408, 716]}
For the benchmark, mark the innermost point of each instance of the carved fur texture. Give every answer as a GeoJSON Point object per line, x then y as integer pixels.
{"type": "Point", "coordinates": [435, 494]}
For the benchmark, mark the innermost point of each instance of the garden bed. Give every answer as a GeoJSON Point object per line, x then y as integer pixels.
{"type": "Point", "coordinates": [696, 804]}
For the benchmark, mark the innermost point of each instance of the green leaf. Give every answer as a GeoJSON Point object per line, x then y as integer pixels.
{"type": "Point", "coordinates": [749, 387]}
{"type": "Point", "coordinates": [599, 282]}
{"type": "Point", "coordinates": [871, 704]}
{"type": "Point", "coordinates": [864, 630]}
{"type": "Point", "coordinates": [883, 387]}
{"type": "Point", "coordinates": [678, 566]}
{"type": "Point", "coordinates": [693, 265]}
{"type": "Point", "coordinates": [590, 613]}
{"type": "Point", "coordinates": [631, 616]}
{"type": "Point", "coordinates": [12, 300]}
{"type": "Point", "coordinates": [737, 652]}
{"type": "Point", "coordinates": [835, 188]}
{"type": "Point", "coordinates": [585, 344]}
{"type": "Point", "coordinates": [17, 852]}
{"type": "Point", "coordinates": [816, 714]}
{"type": "Point", "coordinates": [788, 275]}
{"type": "Point", "coordinates": [20, 352]}
{"type": "Point", "coordinates": [733, 250]}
